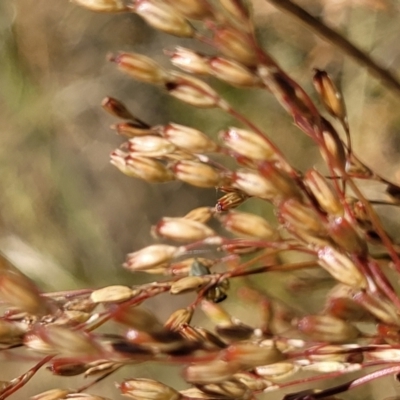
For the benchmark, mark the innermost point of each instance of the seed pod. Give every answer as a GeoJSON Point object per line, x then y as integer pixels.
{"type": "Point", "coordinates": [200, 214]}
{"type": "Point", "coordinates": [162, 17]}
{"type": "Point", "coordinates": [334, 147]}
{"type": "Point", "coordinates": [192, 9]}
{"type": "Point", "coordinates": [232, 72]}
{"type": "Point", "coordinates": [230, 200]}
{"type": "Point", "coordinates": [210, 372]}
{"type": "Point", "coordinates": [216, 313]}
{"type": "Point", "coordinates": [341, 267]}
{"type": "Point", "coordinates": [331, 97]}
{"type": "Point", "coordinates": [246, 143]}
{"type": "Point", "coordinates": [232, 389]}
{"type": "Point", "coordinates": [189, 284]}
{"type": "Point", "coordinates": [248, 225]}
{"type": "Point", "coordinates": [277, 371]}
{"type": "Point", "coordinates": [154, 256]}
{"type": "Point", "coordinates": [140, 67]}
{"type": "Point", "coordinates": [150, 146]}
{"type": "Point", "coordinates": [193, 91]}
{"type": "Point", "coordinates": [251, 355]}
{"type": "Point", "coordinates": [138, 318]}
{"type": "Point", "coordinates": [177, 318]}
{"type": "Point", "coordinates": [189, 61]}
{"type": "Point", "coordinates": [53, 394]}
{"type": "Point", "coordinates": [102, 6]}
{"type": "Point", "coordinates": [116, 108]}
{"type": "Point", "coordinates": [323, 192]}
{"type": "Point", "coordinates": [17, 290]}
{"type": "Point", "coordinates": [379, 307]}
{"type": "Point", "coordinates": [147, 389]}
{"type": "Point", "coordinates": [325, 328]}
{"type": "Point", "coordinates": [235, 44]}
{"type": "Point", "coordinates": [112, 294]}
{"type": "Point", "coordinates": [132, 129]}
{"type": "Point", "coordinates": [197, 174]}
{"type": "Point", "coordinates": [325, 366]}
{"type": "Point", "coordinates": [182, 229]}
{"type": "Point", "coordinates": [188, 138]}
{"type": "Point", "coordinates": [67, 368]}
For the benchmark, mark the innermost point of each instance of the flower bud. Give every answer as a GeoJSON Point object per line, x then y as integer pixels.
{"type": "Point", "coordinates": [65, 367]}
{"type": "Point", "coordinates": [341, 267]}
{"type": "Point", "coordinates": [132, 129]}
{"type": "Point", "coordinates": [147, 389]}
{"type": "Point", "coordinates": [325, 328]}
{"type": "Point", "coordinates": [112, 294]}
{"type": "Point", "coordinates": [189, 284]}
{"type": "Point", "coordinates": [232, 72]}
{"type": "Point", "coordinates": [102, 5]}
{"type": "Point", "coordinates": [179, 317]}
{"type": "Point", "coordinates": [140, 67]}
{"type": "Point", "coordinates": [323, 192]}
{"type": "Point", "coordinates": [200, 214]}
{"type": "Point", "coordinates": [230, 200]}
{"type": "Point", "coordinates": [182, 229]}
{"type": "Point", "coordinates": [235, 44]}
{"type": "Point", "coordinates": [162, 17]}
{"type": "Point", "coordinates": [329, 94]}
{"type": "Point", "coordinates": [193, 91]}
{"type": "Point", "coordinates": [246, 143]}
{"type": "Point", "coordinates": [210, 372]}
{"type": "Point", "coordinates": [197, 174]}
{"type": "Point", "coordinates": [188, 138]}
{"type": "Point", "coordinates": [189, 61]}
{"type": "Point", "coordinates": [53, 394]}
{"type": "Point", "coordinates": [150, 146]}
{"type": "Point", "coordinates": [154, 256]}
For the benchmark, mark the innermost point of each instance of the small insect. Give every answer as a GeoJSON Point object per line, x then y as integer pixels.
{"type": "Point", "coordinates": [216, 293]}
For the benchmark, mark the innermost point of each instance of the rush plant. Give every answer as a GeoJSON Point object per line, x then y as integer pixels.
{"type": "Point", "coordinates": [323, 221]}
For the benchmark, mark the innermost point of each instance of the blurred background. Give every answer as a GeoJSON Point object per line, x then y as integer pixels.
{"type": "Point", "coordinates": [67, 217]}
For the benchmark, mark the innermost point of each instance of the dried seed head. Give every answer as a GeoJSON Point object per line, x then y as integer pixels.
{"type": "Point", "coordinates": [251, 355]}
{"type": "Point", "coordinates": [235, 44]}
{"type": "Point", "coordinates": [230, 200]}
{"type": "Point", "coordinates": [189, 284]}
{"type": "Point", "coordinates": [116, 108]}
{"type": "Point", "coordinates": [102, 5]}
{"type": "Point", "coordinates": [189, 61]}
{"type": "Point", "coordinates": [182, 229]}
{"type": "Point", "coordinates": [140, 67]}
{"type": "Point", "coordinates": [112, 294]}
{"type": "Point", "coordinates": [53, 394]}
{"type": "Point", "coordinates": [150, 146]}
{"type": "Point", "coordinates": [334, 147]}
{"type": "Point", "coordinates": [17, 290]}
{"type": "Point", "coordinates": [231, 389]}
{"type": "Point", "coordinates": [277, 371]}
{"type": "Point", "coordinates": [188, 138]}
{"type": "Point", "coordinates": [246, 143]}
{"type": "Point", "coordinates": [138, 318]}
{"type": "Point", "coordinates": [301, 218]}
{"type": "Point", "coordinates": [232, 72]}
{"type": "Point", "coordinates": [147, 389]}
{"type": "Point", "coordinates": [200, 214]}
{"type": "Point", "coordinates": [197, 174]}
{"type": "Point", "coordinates": [193, 9]}
{"type": "Point", "coordinates": [154, 256]}
{"type": "Point", "coordinates": [323, 192]}
{"type": "Point", "coordinates": [179, 317]}
{"type": "Point", "coordinates": [325, 328]}
{"type": "Point", "coordinates": [193, 91]}
{"type": "Point", "coordinates": [341, 267]}
{"type": "Point", "coordinates": [382, 309]}
{"type": "Point", "coordinates": [249, 225]}
{"type": "Point", "coordinates": [132, 129]}
{"type": "Point", "coordinates": [331, 97]}
{"type": "Point", "coordinates": [162, 17]}
{"type": "Point", "coordinates": [343, 233]}
{"type": "Point", "coordinates": [210, 372]}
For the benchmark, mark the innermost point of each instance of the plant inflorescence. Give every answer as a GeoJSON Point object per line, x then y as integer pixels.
{"type": "Point", "coordinates": [323, 221]}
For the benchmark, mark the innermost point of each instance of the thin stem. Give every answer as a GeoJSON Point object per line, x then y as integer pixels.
{"type": "Point", "coordinates": [327, 33]}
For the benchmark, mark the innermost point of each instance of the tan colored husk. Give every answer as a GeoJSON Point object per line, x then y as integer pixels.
{"type": "Point", "coordinates": [210, 372]}
{"type": "Point", "coordinates": [102, 5]}
{"type": "Point", "coordinates": [150, 146]}
{"type": "Point", "coordinates": [232, 72]}
{"type": "Point", "coordinates": [251, 381]}
{"type": "Point", "coordinates": [200, 214]}
{"type": "Point", "coordinates": [111, 294]}
{"type": "Point", "coordinates": [148, 389]}
{"type": "Point", "coordinates": [230, 200]}
{"type": "Point", "coordinates": [189, 284]}
{"type": "Point", "coordinates": [179, 317]}
{"type": "Point", "coordinates": [189, 61]}
{"type": "Point", "coordinates": [231, 388]}
{"type": "Point", "coordinates": [53, 394]}
{"type": "Point", "coordinates": [277, 371]}
{"type": "Point", "coordinates": [197, 174]}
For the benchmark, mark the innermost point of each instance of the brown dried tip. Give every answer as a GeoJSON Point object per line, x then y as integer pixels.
{"type": "Point", "coordinates": [116, 108]}
{"type": "Point", "coordinates": [162, 17]}
{"type": "Point", "coordinates": [132, 129]}
{"type": "Point", "coordinates": [102, 5]}
{"type": "Point", "coordinates": [147, 389]}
